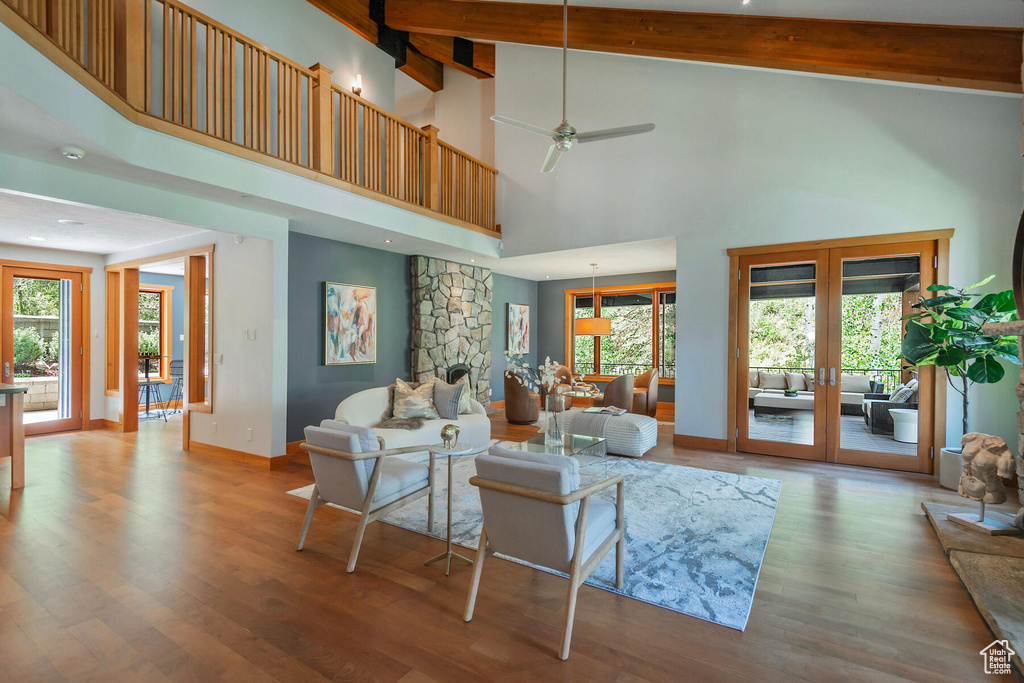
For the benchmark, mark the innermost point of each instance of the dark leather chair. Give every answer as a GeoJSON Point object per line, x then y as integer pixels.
{"type": "Point", "coordinates": [618, 393]}
{"type": "Point", "coordinates": [645, 393]}
{"type": "Point", "coordinates": [522, 406]}
{"type": "Point", "coordinates": [563, 377]}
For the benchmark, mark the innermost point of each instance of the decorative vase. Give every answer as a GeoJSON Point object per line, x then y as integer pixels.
{"type": "Point", "coordinates": [951, 466]}
{"type": "Point", "coordinates": [554, 404]}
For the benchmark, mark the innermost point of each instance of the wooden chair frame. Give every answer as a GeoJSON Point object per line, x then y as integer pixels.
{"type": "Point", "coordinates": [368, 514]}
{"type": "Point", "coordinates": [578, 572]}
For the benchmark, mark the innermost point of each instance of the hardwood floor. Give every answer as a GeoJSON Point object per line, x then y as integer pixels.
{"type": "Point", "coordinates": [127, 558]}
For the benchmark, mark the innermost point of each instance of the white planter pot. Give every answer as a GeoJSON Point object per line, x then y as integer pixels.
{"type": "Point", "coordinates": [951, 466]}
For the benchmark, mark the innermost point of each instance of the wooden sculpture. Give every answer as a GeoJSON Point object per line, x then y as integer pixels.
{"type": "Point", "coordinates": [987, 460]}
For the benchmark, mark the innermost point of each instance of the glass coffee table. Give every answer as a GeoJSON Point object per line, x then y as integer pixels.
{"type": "Point", "coordinates": [572, 444]}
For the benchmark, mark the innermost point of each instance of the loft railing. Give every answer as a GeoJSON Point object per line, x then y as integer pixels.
{"type": "Point", "coordinates": [168, 61]}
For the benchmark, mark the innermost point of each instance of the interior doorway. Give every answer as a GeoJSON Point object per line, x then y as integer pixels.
{"type": "Point", "coordinates": [43, 343]}
{"type": "Point", "coordinates": [819, 374]}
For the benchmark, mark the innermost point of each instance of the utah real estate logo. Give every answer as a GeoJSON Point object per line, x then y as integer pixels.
{"type": "Point", "coordinates": [997, 657]}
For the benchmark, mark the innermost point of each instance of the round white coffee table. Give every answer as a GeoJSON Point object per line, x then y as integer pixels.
{"type": "Point", "coordinates": [449, 554]}
{"type": "Point", "coordinates": [904, 422]}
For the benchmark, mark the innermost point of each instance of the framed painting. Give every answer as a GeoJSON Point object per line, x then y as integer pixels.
{"type": "Point", "coordinates": [350, 324]}
{"type": "Point", "coordinates": [518, 329]}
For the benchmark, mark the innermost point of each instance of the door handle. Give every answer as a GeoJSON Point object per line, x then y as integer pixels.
{"type": "Point", "coordinates": [821, 376]}
{"type": "Point", "coordinates": [7, 369]}
{"type": "Point", "coordinates": [831, 377]}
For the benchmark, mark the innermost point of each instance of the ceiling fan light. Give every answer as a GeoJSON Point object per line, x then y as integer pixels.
{"type": "Point", "coordinates": [593, 327]}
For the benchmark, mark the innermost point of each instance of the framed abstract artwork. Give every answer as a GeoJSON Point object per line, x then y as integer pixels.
{"type": "Point", "coordinates": [518, 329]}
{"type": "Point", "coordinates": [350, 324]}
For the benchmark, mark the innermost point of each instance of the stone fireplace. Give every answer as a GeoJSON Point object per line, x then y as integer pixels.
{"type": "Point", "coordinates": [451, 321]}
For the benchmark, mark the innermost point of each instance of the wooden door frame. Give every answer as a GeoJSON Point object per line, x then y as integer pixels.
{"type": "Point", "coordinates": [928, 252]}
{"type": "Point", "coordinates": [740, 409]}
{"type": "Point", "coordinates": [941, 239]}
{"type": "Point", "coordinates": [116, 272]}
{"type": "Point", "coordinates": [84, 356]}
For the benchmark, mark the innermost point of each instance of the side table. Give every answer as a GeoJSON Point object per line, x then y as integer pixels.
{"type": "Point", "coordinates": [449, 553]}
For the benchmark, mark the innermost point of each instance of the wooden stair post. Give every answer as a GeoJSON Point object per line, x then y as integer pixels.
{"type": "Point", "coordinates": [130, 58]}
{"type": "Point", "coordinates": [322, 120]}
{"type": "Point", "coordinates": [431, 169]}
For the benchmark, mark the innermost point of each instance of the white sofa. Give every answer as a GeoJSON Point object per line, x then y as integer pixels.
{"type": "Point", "coordinates": [365, 409]}
{"type": "Point", "coordinates": [767, 390]}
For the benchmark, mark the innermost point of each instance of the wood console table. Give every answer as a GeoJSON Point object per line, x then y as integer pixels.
{"type": "Point", "coordinates": [12, 431]}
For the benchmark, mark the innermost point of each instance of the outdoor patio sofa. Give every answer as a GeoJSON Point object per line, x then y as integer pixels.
{"type": "Point", "coordinates": [767, 392]}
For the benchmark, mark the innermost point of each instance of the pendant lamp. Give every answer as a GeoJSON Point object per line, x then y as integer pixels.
{"type": "Point", "coordinates": [593, 327]}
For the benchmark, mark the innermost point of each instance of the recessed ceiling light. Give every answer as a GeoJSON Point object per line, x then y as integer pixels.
{"type": "Point", "coordinates": [71, 152]}
{"type": "Point", "coordinates": [68, 221]}
{"type": "Point", "coordinates": [472, 260]}
{"type": "Point", "coordinates": [37, 239]}
{"type": "Point", "coordinates": [387, 241]}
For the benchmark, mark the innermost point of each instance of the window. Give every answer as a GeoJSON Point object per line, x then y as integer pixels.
{"type": "Point", "coordinates": [155, 330]}
{"type": "Point", "coordinates": [643, 320]}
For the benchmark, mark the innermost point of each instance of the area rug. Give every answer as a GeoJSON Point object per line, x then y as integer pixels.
{"type": "Point", "coordinates": [695, 539]}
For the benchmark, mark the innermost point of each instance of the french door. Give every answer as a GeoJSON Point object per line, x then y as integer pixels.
{"type": "Point", "coordinates": [819, 333]}
{"type": "Point", "coordinates": [41, 345]}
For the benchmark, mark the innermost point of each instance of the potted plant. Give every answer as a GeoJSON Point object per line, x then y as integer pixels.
{"type": "Point", "coordinates": [945, 331]}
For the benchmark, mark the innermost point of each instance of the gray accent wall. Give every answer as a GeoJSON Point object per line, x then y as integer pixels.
{"type": "Point", "coordinates": [177, 319]}
{"type": "Point", "coordinates": [511, 290]}
{"type": "Point", "coordinates": [551, 314]}
{"type": "Point", "coordinates": [315, 389]}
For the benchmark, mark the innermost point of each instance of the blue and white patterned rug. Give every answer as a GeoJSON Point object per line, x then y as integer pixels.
{"type": "Point", "coordinates": [695, 538]}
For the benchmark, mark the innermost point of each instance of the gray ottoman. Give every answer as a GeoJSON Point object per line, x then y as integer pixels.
{"type": "Point", "coordinates": [628, 435]}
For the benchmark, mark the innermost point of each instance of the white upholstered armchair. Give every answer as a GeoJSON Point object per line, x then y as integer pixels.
{"type": "Point", "coordinates": [535, 510]}
{"type": "Point", "coordinates": [353, 470]}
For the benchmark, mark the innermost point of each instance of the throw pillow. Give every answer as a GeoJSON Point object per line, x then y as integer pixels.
{"type": "Point", "coordinates": [448, 398]}
{"type": "Point", "coordinates": [771, 380]}
{"type": "Point", "coordinates": [902, 394]}
{"type": "Point", "coordinates": [466, 401]}
{"type": "Point", "coordinates": [418, 402]}
{"type": "Point", "coordinates": [795, 381]}
{"type": "Point", "coordinates": [809, 381]}
{"type": "Point", "coordinates": [752, 378]}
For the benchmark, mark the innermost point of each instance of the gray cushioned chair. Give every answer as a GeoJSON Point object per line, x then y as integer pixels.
{"type": "Point", "coordinates": [353, 470]}
{"type": "Point", "coordinates": [535, 510]}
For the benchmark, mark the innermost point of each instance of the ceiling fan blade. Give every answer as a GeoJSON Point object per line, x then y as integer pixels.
{"type": "Point", "coordinates": [609, 133]}
{"type": "Point", "coordinates": [551, 159]}
{"type": "Point", "coordinates": [530, 128]}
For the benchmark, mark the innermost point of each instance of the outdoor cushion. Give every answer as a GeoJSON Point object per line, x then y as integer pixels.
{"type": "Point", "coordinates": [903, 394]}
{"type": "Point", "coordinates": [809, 381]}
{"type": "Point", "coordinates": [771, 380]}
{"type": "Point", "coordinates": [795, 381]}
{"type": "Point", "coordinates": [752, 377]}
{"type": "Point", "coordinates": [856, 384]}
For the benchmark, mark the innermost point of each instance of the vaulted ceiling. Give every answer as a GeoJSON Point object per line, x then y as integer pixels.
{"type": "Point", "coordinates": [939, 42]}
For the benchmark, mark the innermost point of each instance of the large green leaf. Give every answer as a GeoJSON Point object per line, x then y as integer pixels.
{"type": "Point", "coordinates": [979, 284]}
{"type": "Point", "coordinates": [950, 355]}
{"type": "Point", "coordinates": [917, 345]}
{"type": "Point", "coordinates": [939, 288]}
{"type": "Point", "coordinates": [964, 313]}
{"type": "Point", "coordinates": [997, 302]}
{"type": "Point", "coordinates": [944, 300]}
{"type": "Point", "coordinates": [985, 371]}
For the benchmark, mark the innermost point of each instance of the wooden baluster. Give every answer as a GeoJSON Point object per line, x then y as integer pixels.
{"type": "Point", "coordinates": [265, 99]}
{"type": "Point", "coordinates": [208, 79]}
{"type": "Point", "coordinates": [229, 85]}
{"type": "Point", "coordinates": [167, 61]}
{"type": "Point", "coordinates": [194, 99]}
{"type": "Point", "coordinates": [431, 168]}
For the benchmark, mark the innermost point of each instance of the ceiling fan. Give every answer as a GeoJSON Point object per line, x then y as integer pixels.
{"type": "Point", "coordinates": [565, 135]}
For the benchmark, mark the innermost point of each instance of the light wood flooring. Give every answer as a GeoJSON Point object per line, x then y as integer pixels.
{"type": "Point", "coordinates": [127, 558]}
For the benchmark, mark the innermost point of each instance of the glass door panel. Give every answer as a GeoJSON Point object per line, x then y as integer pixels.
{"type": "Point", "coordinates": [43, 325]}
{"type": "Point", "coordinates": [874, 409]}
{"type": "Point", "coordinates": [780, 403]}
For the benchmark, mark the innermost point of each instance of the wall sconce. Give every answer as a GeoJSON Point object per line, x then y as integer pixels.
{"type": "Point", "coordinates": [357, 85]}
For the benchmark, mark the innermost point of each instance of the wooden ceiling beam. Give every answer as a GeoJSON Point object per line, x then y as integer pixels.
{"type": "Point", "coordinates": [353, 13]}
{"type": "Point", "coordinates": [455, 52]}
{"type": "Point", "coordinates": [483, 57]}
{"type": "Point", "coordinates": [426, 71]}
{"type": "Point", "coordinates": [959, 56]}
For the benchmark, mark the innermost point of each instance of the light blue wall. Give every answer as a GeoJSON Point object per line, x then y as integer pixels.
{"type": "Point", "coordinates": [510, 290]}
